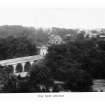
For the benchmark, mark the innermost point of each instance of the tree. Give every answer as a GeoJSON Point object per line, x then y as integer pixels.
{"type": "Point", "coordinates": [40, 76]}
{"type": "Point", "coordinates": [81, 35]}
{"type": "Point", "coordinates": [4, 76]}
{"type": "Point", "coordinates": [17, 85]}
{"type": "Point", "coordinates": [94, 63]}
{"type": "Point", "coordinates": [78, 80]}
{"type": "Point", "coordinates": [101, 45]}
{"type": "Point", "coordinates": [10, 85]}
{"type": "Point", "coordinates": [3, 49]}
{"type": "Point", "coordinates": [65, 62]}
{"type": "Point", "coordinates": [19, 47]}
{"type": "Point", "coordinates": [12, 47]}
{"type": "Point", "coordinates": [61, 57]}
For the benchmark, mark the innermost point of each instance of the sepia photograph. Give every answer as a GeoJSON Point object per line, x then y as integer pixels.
{"type": "Point", "coordinates": [48, 50]}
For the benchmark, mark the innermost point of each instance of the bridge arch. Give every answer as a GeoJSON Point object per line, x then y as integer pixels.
{"type": "Point", "coordinates": [19, 68]}
{"type": "Point", "coordinates": [22, 64]}
{"type": "Point", "coordinates": [27, 66]}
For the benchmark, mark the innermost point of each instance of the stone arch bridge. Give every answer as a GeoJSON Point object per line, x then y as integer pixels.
{"type": "Point", "coordinates": [22, 61]}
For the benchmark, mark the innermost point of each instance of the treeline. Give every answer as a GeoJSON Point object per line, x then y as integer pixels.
{"type": "Point", "coordinates": [38, 36]}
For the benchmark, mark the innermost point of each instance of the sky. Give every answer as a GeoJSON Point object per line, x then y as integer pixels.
{"type": "Point", "coordinates": [87, 18]}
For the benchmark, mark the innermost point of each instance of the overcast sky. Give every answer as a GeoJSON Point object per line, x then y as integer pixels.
{"type": "Point", "coordinates": [67, 18]}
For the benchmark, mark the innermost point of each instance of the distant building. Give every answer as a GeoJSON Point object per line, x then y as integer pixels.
{"type": "Point", "coordinates": [43, 50]}
{"type": "Point", "coordinates": [101, 37]}
{"type": "Point", "coordinates": [68, 35]}
{"type": "Point", "coordinates": [55, 39]}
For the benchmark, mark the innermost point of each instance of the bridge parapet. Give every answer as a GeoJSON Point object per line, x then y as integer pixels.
{"type": "Point", "coordinates": [20, 60]}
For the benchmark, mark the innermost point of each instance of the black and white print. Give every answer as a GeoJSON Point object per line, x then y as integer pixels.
{"type": "Point", "coordinates": [52, 50]}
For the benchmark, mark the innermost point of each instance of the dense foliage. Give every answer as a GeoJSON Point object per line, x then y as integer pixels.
{"type": "Point", "coordinates": [16, 47]}
{"type": "Point", "coordinates": [75, 63]}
